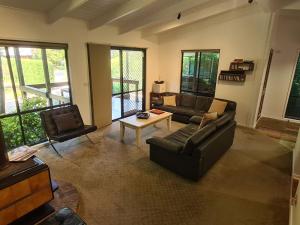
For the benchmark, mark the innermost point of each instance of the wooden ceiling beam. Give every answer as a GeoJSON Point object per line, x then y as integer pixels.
{"type": "Point", "coordinates": [161, 15]}
{"type": "Point", "coordinates": [63, 8]}
{"type": "Point", "coordinates": [123, 10]}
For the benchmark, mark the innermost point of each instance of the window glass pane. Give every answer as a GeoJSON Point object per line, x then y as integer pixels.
{"type": "Point", "coordinates": [32, 65]}
{"type": "Point", "coordinates": [12, 132]}
{"type": "Point", "coordinates": [208, 72]}
{"type": "Point", "coordinates": [132, 70]}
{"type": "Point", "coordinates": [33, 130]}
{"type": "Point", "coordinates": [58, 74]}
{"type": "Point", "coordinates": [188, 71]}
{"type": "Point", "coordinates": [115, 71]}
{"type": "Point", "coordinates": [31, 93]}
{"type": "Point", "coordinates": [7, 99]}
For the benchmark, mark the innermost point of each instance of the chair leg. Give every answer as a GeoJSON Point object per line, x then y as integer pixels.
{"type": "Point", "coordinates": [89, 139]}
{"type": "Point", "coordinates": [55, 149]}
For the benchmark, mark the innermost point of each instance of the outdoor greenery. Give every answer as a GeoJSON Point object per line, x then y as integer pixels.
{"type": "Point", "coordinates": [132, 70]}
{"type": "Point", "coordinates": [30, 121]}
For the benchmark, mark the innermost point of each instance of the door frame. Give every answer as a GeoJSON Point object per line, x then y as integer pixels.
{"type": "Point", "coordinates": [144, 50]}
{"type": "Point", "coordinates": [290, 89]}
{"type": "Point", "coordinates": [265, 84]}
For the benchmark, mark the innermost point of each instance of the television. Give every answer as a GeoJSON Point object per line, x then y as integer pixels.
{"type": "Point", "coordinates": [3, 151]}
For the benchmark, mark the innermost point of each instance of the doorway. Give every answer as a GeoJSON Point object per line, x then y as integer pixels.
{"type": "Point", "coordinates": [293, 105]}
{"type": "Point", "coordinates": [128, 69]}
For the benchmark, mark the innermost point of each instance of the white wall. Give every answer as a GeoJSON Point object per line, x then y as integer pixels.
{"type": "Point", "coordinates": [286, 45]}
{"type": "Point", "coordinates": [238, 34]}
{"type": "Point", "coordinates": [24, 25]}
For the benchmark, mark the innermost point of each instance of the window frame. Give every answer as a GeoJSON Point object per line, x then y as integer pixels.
{"type": "Point", "coordinates": [196, 69]}
{"type": "Point", "coordinates": [43, 46]}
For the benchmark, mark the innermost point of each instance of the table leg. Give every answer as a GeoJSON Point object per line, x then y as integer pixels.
{"type": "Point", "coordinates": [138, 136]}
{"type": "Point", "coordinates": [122, 131]}
{"type": "Point", "coordinates": [169, 121]}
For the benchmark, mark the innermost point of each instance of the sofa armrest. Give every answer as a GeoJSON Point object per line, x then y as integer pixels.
{"type": "Point", "coordinates": [165, 144]}
{"type": "Point", "coordinates": [195, 119]}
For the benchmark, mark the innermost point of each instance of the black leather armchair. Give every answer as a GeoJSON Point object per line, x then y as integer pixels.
{"type": "Point", "coordinates": [62, 124]}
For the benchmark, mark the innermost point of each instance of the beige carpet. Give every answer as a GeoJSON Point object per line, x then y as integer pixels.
{"type": "Point", "coordinates": [119, 185]}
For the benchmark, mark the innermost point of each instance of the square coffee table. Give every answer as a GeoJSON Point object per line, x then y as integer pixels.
{"type": "Point", "coordinates": [138, 124]}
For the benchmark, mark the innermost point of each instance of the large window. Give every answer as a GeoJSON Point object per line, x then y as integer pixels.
{"type": "Point", "coordinates": [199, 71]}
{"type": "Point", "coordinates": [33, 77]}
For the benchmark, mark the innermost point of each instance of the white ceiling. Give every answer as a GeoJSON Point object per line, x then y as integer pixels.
{"type": "Point", "coordinates": [150, 16]}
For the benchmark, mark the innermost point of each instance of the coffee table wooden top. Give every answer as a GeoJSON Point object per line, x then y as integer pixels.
{"type": "Point", "coordinates": [140, 123]}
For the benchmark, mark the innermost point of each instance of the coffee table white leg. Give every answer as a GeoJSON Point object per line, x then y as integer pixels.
{"type": "Point", "coordinates": [138, 136]}
{"type": "Point", "coordinates": [122, 131]}
{"type": "Point", "coordinates": [169, 121]}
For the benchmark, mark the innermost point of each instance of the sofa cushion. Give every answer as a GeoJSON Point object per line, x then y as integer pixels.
{"type": "Point", "coordinates": [66, 122]}
{"type": "Point", "coordinates": [184, 111]}
{"type": "Point", "coordinates": [187, 100]}
{"type": "Point", "coordinates": [218, 106]}
{"type": "Point", "coordinates": [169, 100]}
{"type": "Point", "coordinates": [224, 119]}
{"type": "Point", "coordinates": [207, 118]}
{"type": "Point", "coordinates": [167, 108]}
{"type": "Point", "coordinates": [193, 141]}
{"type": "Point", "coordinates": [203, 103]}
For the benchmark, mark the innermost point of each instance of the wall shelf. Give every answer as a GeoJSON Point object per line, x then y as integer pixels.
{"type": "Point", "coordinates": [244, 65]}
{"type": "Point", "coordinates": [233, 75]}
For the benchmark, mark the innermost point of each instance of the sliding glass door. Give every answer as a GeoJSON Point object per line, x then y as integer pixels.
{"type": "Point", "coordinates": [128, 81]}
{"type": "Point", "coordinates": [293, 106]}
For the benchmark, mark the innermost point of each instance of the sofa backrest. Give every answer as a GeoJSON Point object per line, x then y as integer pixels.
{"type": "Point", "coordinates": [201, 103]}
{"type": "Point", "coordinates": [48, 121]}
{"type": "Point", "coordinates": [198, 137]}
{"type": "Point", "coordinates": [231, 105]}
{"type": "Point", "coordinates": [187, 100]}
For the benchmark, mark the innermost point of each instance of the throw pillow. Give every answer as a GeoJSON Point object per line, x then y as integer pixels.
{"type": "Point", "coordinates": [207, 117]}
{"type": "Point", "coordinates": [65, 122]}
{"type": "Point", "coordinates": [218, 106]}
{"type": "Point", "coordinates": [170, 100]}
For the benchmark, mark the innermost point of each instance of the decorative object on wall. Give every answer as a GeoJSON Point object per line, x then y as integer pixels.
{"type": "Point", "coordinates": [237, 70]}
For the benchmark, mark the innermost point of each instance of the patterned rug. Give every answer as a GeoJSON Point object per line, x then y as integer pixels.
{"type": "Point", "coordinates": [119, 185]}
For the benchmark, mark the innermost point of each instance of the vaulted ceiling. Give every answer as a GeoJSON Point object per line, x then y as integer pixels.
{"type": "Point", "coordinates": [149, 16]}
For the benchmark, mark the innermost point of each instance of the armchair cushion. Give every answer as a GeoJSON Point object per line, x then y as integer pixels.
{"type": "Point", "coordinates": [65, 122]}
{"type": "Point", "coordinates": [73, 134]}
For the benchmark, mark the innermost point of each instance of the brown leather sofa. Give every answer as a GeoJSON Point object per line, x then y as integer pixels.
{"type": "Point", "coordinates": [188, 105]}
{"type": "Point", "coordinates": [65, 123]}
{"type": "Point", "coordinates": [191, 151]}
